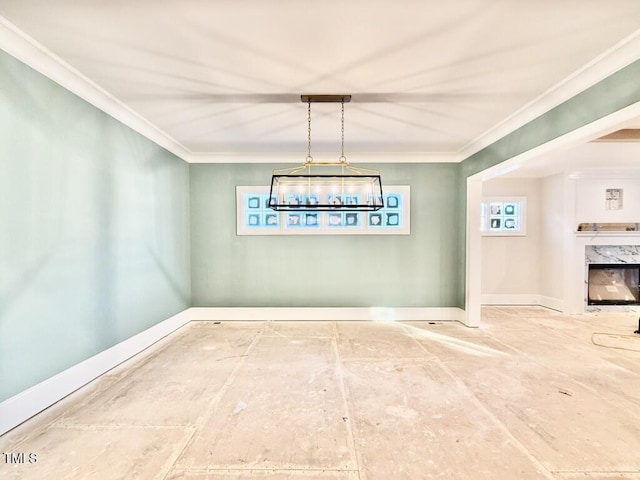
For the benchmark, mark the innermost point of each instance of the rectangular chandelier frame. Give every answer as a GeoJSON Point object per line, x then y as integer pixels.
{"type": "Point", "coordinates": [340, 187]}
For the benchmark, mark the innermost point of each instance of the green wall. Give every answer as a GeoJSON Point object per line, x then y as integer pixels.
{"type": "Point", "coordinates": [94, 230]}
{"type": "Point", "coordinates": [417, 270]}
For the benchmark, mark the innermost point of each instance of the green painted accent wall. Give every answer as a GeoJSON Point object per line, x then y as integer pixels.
{"type": "Point", "coordinates": [417, 270]}
{"type": "Point", "coordinates": [461, 228]}
{"type": "Point", "coordinates": [94, 230]}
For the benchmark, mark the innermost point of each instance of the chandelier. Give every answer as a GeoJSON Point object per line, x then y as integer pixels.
{"type": "Point", "coordinates": [326, 186]}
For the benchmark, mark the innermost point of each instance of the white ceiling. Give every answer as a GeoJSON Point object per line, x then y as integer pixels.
{"type": "Point", "coordinates": [601, 159]}
{"type": "Point", "coordinates": [226, 75]}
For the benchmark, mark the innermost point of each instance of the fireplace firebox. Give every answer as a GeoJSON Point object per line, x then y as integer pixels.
{"type": "Point", "coordinates": [614, 284]}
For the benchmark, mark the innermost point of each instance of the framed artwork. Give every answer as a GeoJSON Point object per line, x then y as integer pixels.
{"type": "Point", "coordinates": [352, 219]}
{"type": "Point", "coordinates": [375, 220]}
{"type": "Point", "coordinates": [334, 199]}
{"type": "Point", "coordinates": [257, 214]}
{"type": "Point", "coordinates": [310, 200]}
{"type": "Point", "coordinates": [254, 217]}
{"type": "Point", "coordinates": [294, 200]}
{"type": "Point", "coordinates": [335, 219]}
{"type": "Point", "coordinates": [294, 220]}
{"type": "Point", "coordinates": [503, 216]}
{"type": "Point", "coordinates": [613, 199]}
{"type": "Point", "coordinates": [312, 220]}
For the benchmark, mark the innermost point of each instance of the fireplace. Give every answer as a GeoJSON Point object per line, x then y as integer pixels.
{"type": "Point", "coordinates": [613, 284]}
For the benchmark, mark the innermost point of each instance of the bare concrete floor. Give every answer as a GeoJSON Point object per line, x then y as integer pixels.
{"type": "Point", "coordinates": [532, 395]}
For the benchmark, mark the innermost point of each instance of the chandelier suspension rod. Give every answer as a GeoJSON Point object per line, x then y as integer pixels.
{"type": "Point", "coordinates": [309, 157]}
{"type": "Point", "coordinates": [342, 157]}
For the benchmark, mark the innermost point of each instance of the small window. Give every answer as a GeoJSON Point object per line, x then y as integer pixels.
{"type": "Point", "coordinates": [503, 216]}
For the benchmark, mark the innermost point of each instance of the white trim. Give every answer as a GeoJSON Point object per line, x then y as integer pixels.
{"type": "Point", "coordinates": [523, 299]}
{"type": "Point", "coordinates": [552, 303]}
{"type": "Point", "coordinates": [32, 401]}
{"type": "Point", "coordinates": [605, 173]}
{"type": "Point", "coordinates": [569, 246]}
{"type": "Point", "coordinates": [510, 299]}
{"type": "Point", "coordinates": [617, 57]}
{"type": "Point", "coordinates": [492, 173]}
{"type": "Point", "coordinates": [37, 56]}
{"type": "Point", "coordinates": [485, 226]}
{"type": "Point", "coordinates": [385, 314]}
{"type": "Point", "coordinates": [299, 157]}
{"type": "Point", "coordinates": [404, 191]}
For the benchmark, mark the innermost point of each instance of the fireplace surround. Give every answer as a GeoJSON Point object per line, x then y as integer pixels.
{"type": "Point", "coordinates": [612, 275]}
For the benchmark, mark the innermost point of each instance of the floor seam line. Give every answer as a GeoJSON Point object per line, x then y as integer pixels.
{"type": "Point", "coordinates": [201, 420]}
{"type": "Point", "coordinates": [560, 373]}
{"type": "Point", "coordinates": [264, 469]}
{"type": "Point", "coordinates": [487, 412]}
{"type": "Point", "coordinates": [345, 400]}
{"type": "Point", "coordinates": [637, 472]}
{"type": "Point", "coordinates": [187, 440]}
{"type": "Point", "coordinates": [106, 426]}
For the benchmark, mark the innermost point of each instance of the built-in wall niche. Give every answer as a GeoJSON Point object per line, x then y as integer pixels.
{"type": "Point", "coordinates": [503, 216]}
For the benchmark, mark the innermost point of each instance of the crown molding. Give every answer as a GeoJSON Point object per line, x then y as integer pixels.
{"type": "Point", "coordinates": [293, 157]}
{"type": "Point", "coordinates": [19, 45]}
{"type": "Point", "coordinates": [617, 57]}
{"type": "Point", "coordinates": [604, 173]}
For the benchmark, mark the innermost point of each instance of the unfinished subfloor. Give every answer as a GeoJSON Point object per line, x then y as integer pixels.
{"type": "Point", "coordinates": [530, 395]}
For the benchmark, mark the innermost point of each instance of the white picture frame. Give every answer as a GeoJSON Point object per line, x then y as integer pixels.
{"type": "Point", "coordinates": [504, 216]}
{"type": "Point", "coordinates": [613, 198]}
{"type": "Point", "coordinates": [253, 217]}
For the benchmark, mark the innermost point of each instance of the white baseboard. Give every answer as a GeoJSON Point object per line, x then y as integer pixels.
{"type": "Point", "coordinates": [523, 299]}
{"type": "Point", "coordinates": [511, 299]}
{"type": "Point", "coordinates": [332, 314]}
{"type": "Point", "coordinates": [552, 303]}
{"type": "Point", "coordinates": [28, 403]}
